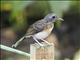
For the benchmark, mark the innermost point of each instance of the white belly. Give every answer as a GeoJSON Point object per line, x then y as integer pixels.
{"type": "Point", "coordinates": [44, 34]}
{"type": "Point", "coordinates": [41, 35]}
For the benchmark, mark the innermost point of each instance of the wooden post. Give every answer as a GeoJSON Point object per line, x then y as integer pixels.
{"type": "Point", "coordinates": [45, 53]}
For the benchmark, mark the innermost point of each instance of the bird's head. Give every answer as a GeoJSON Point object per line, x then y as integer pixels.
{"type": "Point", "coordinates": [52, 18]}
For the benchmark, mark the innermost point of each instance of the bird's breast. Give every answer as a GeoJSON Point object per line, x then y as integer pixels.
{"type": "Point", "coordinates": [43, 34]}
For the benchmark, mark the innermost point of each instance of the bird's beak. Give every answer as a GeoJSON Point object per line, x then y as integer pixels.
{"type": "Point", "coordinates": [60, 19]}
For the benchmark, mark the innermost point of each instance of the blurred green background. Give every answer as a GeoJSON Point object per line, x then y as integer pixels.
{"type": "Point", "coordinates": [17, 16]}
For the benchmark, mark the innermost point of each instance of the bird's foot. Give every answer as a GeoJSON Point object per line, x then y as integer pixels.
{"type": "Point", "coordinates": [50, 44]}
{"type": "Point", "coordinates": [44, 45]}
{"type": "Point", "coordinates": [40, 45]}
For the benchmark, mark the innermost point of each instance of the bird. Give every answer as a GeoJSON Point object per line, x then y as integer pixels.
{"type": "Point", "coordinates": [41, 29]}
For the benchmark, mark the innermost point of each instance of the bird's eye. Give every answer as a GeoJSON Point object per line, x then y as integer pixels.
{"type": "Point", "coordinates": [53, 17]}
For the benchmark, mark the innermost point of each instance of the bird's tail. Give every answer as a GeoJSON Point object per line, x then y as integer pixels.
{"type": "Point", "coordinates": [18, 42]}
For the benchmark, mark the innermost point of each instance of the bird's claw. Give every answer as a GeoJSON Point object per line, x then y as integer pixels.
{"type": "Point", "coordinates": [39, 45]}
{"type": "Point", "coordinates": [48, 45]}
{"type": "Point", "coordinates": [45, 45]}
{"type": "Point", "coordinates": [51, 44]}
{"type": "Point", "coordinates": [42, 45]}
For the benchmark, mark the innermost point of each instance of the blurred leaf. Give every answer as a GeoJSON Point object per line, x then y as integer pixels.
{"type": "Point", "coordinates": [17, 18]}
{"type": "Point", "coordinates": [18, 6]}
{"type": "Point", "coordinates": [6, 5]}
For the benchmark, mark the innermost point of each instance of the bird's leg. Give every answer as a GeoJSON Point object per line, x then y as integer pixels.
{"type": "Point", "coordinates": [41, 45]}
{"type": "Point", "coordinates": [17, 43]}
{"type": "Point", "coordinates": [46, 42]}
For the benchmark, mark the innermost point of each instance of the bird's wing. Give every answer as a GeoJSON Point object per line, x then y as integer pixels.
{"type": "Point", "coordinates": [31, 31]}
{"type": "Point", "coordinates": [39, 25]}
{"type": "Point", "coordinates": [36, 27]}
